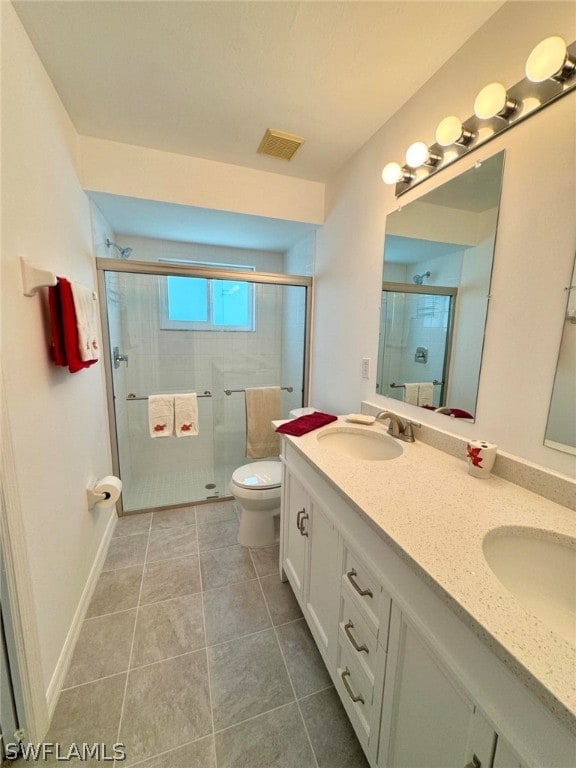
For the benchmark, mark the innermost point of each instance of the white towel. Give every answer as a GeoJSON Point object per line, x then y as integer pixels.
{"type": "Point", "coordinates": [411, 393]}
{"type": "Point", "coordinates": [262, 407]}
{"type": "Point", "coordinates": [186, 415]}
{"type": "Point", "coordinates": [161, 415]}
{"type": "Point", "coordinates": [86, 321]}
{"type": "Point", "coordinates": [425, 393]}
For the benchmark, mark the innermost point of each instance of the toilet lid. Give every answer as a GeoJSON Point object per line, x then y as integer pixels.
{"type": "Point", "coordinates": [260, 475]}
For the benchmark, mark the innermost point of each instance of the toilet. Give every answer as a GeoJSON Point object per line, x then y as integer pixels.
{"type": "Point", "coordinates": [257, 488]}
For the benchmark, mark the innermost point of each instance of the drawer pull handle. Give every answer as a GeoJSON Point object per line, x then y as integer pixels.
{"type": "Point", "coordinates": [344, 674]}
{"type": "Point", "coordinates": [347, 627]}
{"type": "Point", "coordinates": [474, 763]}
{"type": "Point", "coordinates": [362, 592]}
{"type": "Point", "coordinates": [301, 526]}
{"type": "Point", "coordinates": [298, 518]}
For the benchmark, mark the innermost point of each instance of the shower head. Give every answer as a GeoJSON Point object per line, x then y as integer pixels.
{"type": "Point", "coordinates": [124, 252]}
{"type": "Point", "coordinates": [419, 279]}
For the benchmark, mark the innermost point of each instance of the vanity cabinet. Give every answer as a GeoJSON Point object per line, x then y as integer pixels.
{"type": "Point", "coordinates": [295, 506]}
{"type": "Point", "coordinates": [310, 560]}
{"type": "Point", "coordinates": [428, 719]}
{"type": "Point", "coordinates": [419, 687]}
{"type": "Point", "coordinates": [506, 757]}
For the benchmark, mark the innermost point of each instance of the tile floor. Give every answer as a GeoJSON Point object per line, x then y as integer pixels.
{"type": "Point", "coordinates": [195, 655]}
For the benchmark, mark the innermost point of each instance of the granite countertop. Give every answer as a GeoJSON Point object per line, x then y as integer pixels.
{"type": "Point", "coordinates": [435, 516]}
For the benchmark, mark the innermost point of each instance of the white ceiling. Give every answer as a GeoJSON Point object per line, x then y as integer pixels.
{"type": "Point", "coordinates": [207, 78]}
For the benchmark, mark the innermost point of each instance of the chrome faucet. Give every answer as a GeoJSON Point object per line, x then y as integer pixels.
{"type": "Point", "coordinates": [398, 428]}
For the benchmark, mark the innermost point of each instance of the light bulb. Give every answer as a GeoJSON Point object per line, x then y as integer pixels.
{"type": "Point", "coordinates": [451, 131]}
{"type": "Point", "coordinates": [392, 173]}
{"type": "Point", "coordinates": [416, 154]}
{"type": "Point", "coordinates": [549, 59]}
{"type": "Point", "coordinates": [493, 101]}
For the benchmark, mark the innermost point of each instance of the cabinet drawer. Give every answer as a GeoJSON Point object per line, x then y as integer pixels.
{"type": "Point", "coordinates": [364, 589]}
{"type": "Point", "coordinates": [356, 634]}
{"type": "Point", "coordinates": [356, 692]}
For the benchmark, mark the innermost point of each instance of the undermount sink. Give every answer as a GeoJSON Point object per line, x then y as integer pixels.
{"type": "Point", "coordinates": [539, 568]}
{"type": "Point", "coordinates": [360, 443]}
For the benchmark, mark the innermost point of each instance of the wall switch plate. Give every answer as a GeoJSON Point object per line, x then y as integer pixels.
{"type": "Point", "coordinates": [365, 367]}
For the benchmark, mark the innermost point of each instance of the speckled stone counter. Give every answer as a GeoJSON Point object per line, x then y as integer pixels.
{"type": "Point", "coordinates": [435, 516]}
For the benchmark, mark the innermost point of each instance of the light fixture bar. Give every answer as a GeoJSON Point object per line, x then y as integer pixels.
{"type": "Point", "coordinates": [514, 110]}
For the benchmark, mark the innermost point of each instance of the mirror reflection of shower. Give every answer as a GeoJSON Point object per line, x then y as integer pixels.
{"type": "Point", "coordinates": [124, 252]}
{"type": "Point", "coordinates": [419, 279]}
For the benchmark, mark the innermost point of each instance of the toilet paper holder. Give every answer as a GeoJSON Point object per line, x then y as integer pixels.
{"type": "Point", "coordinates": [94, 497]}
{"type": "Point", "coordinates": [106, 491]}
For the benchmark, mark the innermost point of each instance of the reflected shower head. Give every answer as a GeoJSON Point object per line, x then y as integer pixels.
{"type": "Point", "coordinates": [124, 252]}
{"type": "Point", "coordinates": [419, 279]}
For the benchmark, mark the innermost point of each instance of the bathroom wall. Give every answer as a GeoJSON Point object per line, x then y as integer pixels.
{"type": "Point", "coordinates": [534, 247]}
{"type": "Point", "coordinates": [57, 420]}
{"type": "Point", "coordinates": [150, 174]}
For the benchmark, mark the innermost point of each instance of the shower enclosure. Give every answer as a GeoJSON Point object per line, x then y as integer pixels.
{"type": "Point", "coordinates": [416, 326]}
{"type": "Point", "coordinates": [214, 331]}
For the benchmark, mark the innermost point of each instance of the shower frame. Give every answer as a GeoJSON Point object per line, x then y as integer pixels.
{"type": "Point", "coordinates": [104, 265]}
{"type": "Point", "coordinates": [433, 290]}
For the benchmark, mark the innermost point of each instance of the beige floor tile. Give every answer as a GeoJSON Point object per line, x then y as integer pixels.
{"type": "Point", "coordinates": [116, 591]}
{"type": "Point", "coordinates": [167, 705]}
{"type": "Point", "coordinates": [168, 629]}
{"type": "Point", "coordinates": [247, 677]}
{"type": "Point", "coordinates": [233, 611]}
{"type": "Point", "coordinates": [226, 565]}
{"type": "Point", "coordinates": [280, 599]}
{"type": "Point", "coordinates": [102, 649]}
{"type": "Point", "coordinates": [272, 740]}
{"type": "Point", "coordinates": [170, 543]}
{"type": "Point", "coordinates": [170, 578]}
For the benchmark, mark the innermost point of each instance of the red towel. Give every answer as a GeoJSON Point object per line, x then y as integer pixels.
{"type": "Point", "coordinates": [304, 424]}
{"type": "Point", "coordinates": [57, 352]}
{"type": "Point", "coordinates": [64, 348]}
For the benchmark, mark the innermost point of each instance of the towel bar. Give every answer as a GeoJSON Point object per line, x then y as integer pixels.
{"type": "Point", "coordinates": [230, 391]}
{"type": "Point", "coordinates": [401, 386]}
{"type": "Point", "coordinates": [132, 396]}
{"type": "Point", "coordinates": [34, 278]}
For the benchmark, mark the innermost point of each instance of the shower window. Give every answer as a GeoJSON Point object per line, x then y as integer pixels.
{"type": "Point", "coordinates": [201, 304]}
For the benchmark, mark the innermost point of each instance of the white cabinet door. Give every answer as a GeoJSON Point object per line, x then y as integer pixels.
{"type": "Point", "coordinates": [427, 719]}
{"type": "Point", "coordinates": [505, 757]}
{"type": "Point", "coordinates": [296, 524]}
{"type": "Point", "coordinates": [323, 588]}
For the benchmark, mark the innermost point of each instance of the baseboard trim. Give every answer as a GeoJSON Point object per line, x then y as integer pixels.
{"type": "Point", "coordinates": [65, 658]}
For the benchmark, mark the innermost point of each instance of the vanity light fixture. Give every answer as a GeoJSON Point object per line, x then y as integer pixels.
{"type": "Point", "coordinates": [550, 60]}
{"type": "Point", "coordinates": [550, 74]}
{"type": "Point", "coordinates": [494, 101]}
{"type": "Point", "coordinates": [451, 131]}
{"type": "Point", "coordinates": [419, 154]}
{"type": "Point", "coordinates": [392, 173]}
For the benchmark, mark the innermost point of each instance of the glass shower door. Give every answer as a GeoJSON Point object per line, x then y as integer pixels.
{"type": "Point", "coordinates": [416, 335]}
{"type": "Point", "coordinates": [172, 334]}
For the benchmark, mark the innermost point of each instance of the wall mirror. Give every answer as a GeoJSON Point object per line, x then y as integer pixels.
{"type": "Point", "coordinates": [561, 427]}
{"type": "Point", "coordinates": [438, 254]}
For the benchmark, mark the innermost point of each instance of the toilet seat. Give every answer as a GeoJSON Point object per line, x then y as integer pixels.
{"type": "Point", "coordinates": [258, 476]}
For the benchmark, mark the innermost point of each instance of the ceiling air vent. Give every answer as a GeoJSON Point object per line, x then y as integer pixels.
{"type": "Point", "coordinates": [280, 144]}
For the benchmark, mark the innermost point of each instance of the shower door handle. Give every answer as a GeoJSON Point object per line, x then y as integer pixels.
{"type": "Point", "coordinates": [118, 358]}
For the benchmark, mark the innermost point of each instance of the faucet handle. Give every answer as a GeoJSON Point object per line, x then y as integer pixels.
{"type": "Point", "coordinates": [409, 432]}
